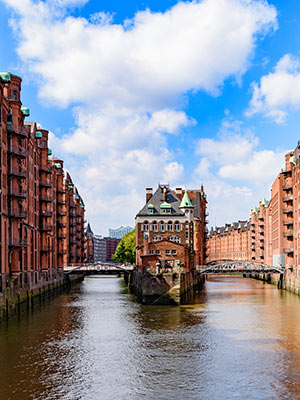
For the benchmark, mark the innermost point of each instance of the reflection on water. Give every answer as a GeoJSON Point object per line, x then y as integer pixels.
{"type": "Point", "coordinates": [240, 339]}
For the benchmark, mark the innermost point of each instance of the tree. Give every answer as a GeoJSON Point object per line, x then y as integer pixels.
{"type": "Point", "coordinates": [125, 251]}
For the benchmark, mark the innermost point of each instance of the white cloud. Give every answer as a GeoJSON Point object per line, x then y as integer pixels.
{"type": "Point", "coordinates": [127, 82]}
{"type": "Point", "coordinates": [278, 92]}
{"type": "Point", "coordinates": [235, 171]}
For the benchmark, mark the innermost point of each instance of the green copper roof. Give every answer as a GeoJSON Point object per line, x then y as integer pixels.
{"type": "Point", "coordinates": [70, 187]}
{"type": "Point", "coordinates": [25, 111]}
{"type": "Point", "coordinates": [186, 202]}
{"type": "Point", "coordinates": [150, 205]}
{"type": "Point", "coordinates": [77, 197]}
{"type": "Point", "coordinates": [293, 160]}
{"type": "Point", "coordinates": [38, 134]}
{"type": "Point", "coordinates": [165, 205]}
{"type": "Point", "coordinates": [50, 153]}
{"type": "Point", "coordinates": [57, 165]}
{"type": "Point", "coordinates": [5, 76]}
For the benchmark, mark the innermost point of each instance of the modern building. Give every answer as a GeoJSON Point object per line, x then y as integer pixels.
{"type": "Point", "coordinates": [171, 229]}
{"type": "Point", "coordinates": [120, 232]}
{"type": "Point", "coordinates": [41, 211]}
{"type": "Point", "coordinates": [104, 248]}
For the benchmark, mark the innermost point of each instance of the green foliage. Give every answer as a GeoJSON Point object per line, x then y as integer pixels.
{"type": "Point", "coordinates": [125, 251]}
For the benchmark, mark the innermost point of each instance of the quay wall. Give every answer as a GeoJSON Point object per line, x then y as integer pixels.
{"type": "Point", "coordinates": [24, 292]}
{"type": "Point", "coordinates": [165, 288]}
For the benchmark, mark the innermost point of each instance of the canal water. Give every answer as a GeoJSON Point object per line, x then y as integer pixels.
{"type": "Point", "coordinates": [240, 340]}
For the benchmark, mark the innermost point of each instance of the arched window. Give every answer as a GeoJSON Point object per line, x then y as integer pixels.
{"type": "Point", "coordinates": [156, 238]}
{"type": "Point", "coordinates": [161, 226]}
{"type": "Point", "coordinates": [146, 226]}
{"type": "Point", "coordinates": [154, 226]}
{"type": "Point", "coordinates": [170, 226]}
{"type": "Point", "coordinates": [174, 238]}
{"type": "Point", "coordinates": [177, 226]}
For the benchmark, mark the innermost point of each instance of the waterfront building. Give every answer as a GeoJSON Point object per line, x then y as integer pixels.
{"type": "Point", "coordinates": [89, 245]}
{"type": "Point", "coordinates": [271, 235]}
{"type": "Point", "coordinates": [104, 248]}
{"type": "Point", "coordinates": [120, 232]}
{"type": "Point", "coordinates": [171, 229]}
{"type": "Point", "coordinates": [41, 211]}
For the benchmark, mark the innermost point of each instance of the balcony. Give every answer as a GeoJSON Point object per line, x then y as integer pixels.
{"type": "Point", "coordinates": [262, 232]}
{"type": "Point", "coordinates": [17, 243]}
{"type": "Point", "coordinates": [253, 248]}
{"type": "Point", "coordinates": [46, 214]}
{"type": "Point", "coordinates": [287, 185]}
{"type": "Point", "coordinates": [46, 249]}
{"type": "Point", "coordinates": [261, 218]}
{"type": "Point", "coordinates": [13, 130]}
{"type": "Point", "coordinates": [252, 230]}
{"type": "Point", "coordinates": [46, 198]}
{"type": "Point", "coordinates": [18, 151]}
{"type": "Point", "coordinates": [287, 198]}
{"type": "Point", "coordinates": [19, 172]}
{"type": "Point", "coordinates": [287, 210]}
{"type": "Point", "coordinates": [61, 252]}
{"type": "Point", "coordinates": [288, 234]}
{"type": "Point", "coordinates": [46, 169]}
{"type": "Point", "coordinates": [288, 250]}
{"type": "Point", "coordinates": [288, 222]}
{"type": "Point", "coordinates": [261, 246]}
{"type": "Point", "coordinates": [45, 183]}
{"type": "Point", "coordinates": [18, 213]}
{"type": "Point", "coordinates": [15, 192]}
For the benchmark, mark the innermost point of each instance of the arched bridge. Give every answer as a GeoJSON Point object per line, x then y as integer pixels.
{"type": "Point", "coordinates": [98, 268]}
{"type": "Point", "coordinates": [244, 267]}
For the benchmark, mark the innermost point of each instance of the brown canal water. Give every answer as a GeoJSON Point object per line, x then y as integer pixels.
{"type": "Point", "coordinates": [240, 340]}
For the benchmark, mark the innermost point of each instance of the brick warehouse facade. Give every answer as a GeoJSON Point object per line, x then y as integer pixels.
{"type": "Point", "coordinates": [41, 211]}
{"type": "Point", "coordinates": [272, 234]}
{"type": "Point", "coordinates": [171, 229]}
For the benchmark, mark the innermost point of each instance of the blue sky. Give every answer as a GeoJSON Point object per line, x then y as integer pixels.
{"type": "Point", "coordinates": [185, 93]}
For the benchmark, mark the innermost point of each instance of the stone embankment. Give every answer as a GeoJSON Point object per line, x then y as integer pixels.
{"type": "Point", "coordinates": [15, 300]}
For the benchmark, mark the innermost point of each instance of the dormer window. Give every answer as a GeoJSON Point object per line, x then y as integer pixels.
{"type": "Point", "coordinates": [165, 208]}
{"type": "Point", "coordinates": [15, 94]}
{"type": "Point", "coordinates": [150, 208]}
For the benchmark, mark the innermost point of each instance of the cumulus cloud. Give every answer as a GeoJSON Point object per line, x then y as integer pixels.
{"type": "Point", "coordinates": [127, 85]}
{"type": "Point", "coordinates": [235, 171]}
{"type": "Point", "coordinates": [278, 92]}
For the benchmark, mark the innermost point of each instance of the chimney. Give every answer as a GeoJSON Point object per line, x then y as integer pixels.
{"type": "Point", "coordinates": [149, 194]}
{"type": "Point", "coordinates": [178, 192]}
{"type": "Point", "coordinates": [165, 194]}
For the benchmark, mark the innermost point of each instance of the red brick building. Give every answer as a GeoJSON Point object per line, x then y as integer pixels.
{"type": "Point", "coordinates": [272, 233]}
{"type": "Point", "coordinates": [41, 211]}
{"type": "Point", "coordinates": [171, 229]}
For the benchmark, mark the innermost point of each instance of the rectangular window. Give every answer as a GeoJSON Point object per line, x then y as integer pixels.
{"type": "Point", "coordinates": [168, 252]}
{"type": "Point", "coordinates": [151, 252]}
{"type": "Point", "coordinates": [157, 252]}
{"type": "Point", "coordinates": [174, 252]}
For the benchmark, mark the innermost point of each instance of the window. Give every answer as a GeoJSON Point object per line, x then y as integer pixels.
{"type": "Point", "coordinates": [156, 238]}
{"type": "Point", "coordinates": [146, 226]}
{"type": "Point", "coordinates": [154, 226]}
{"type": "Point", "coordinates": [151, 252]}
{"type": "Point", "coordinates": [157, 252]}
{"type": "Point", "coordinates": [161, 226]}
{"type": "Point", "coordinates": [150, 211]}
{"type": "Point", "coordinates": [168, 252]}
{"type": "Point", "coordinates": [174, 238]}
{"type": "Point", "coordinates": [170, 226]}
{"type": "Point", "coordinates": [15, 95]}
{"type": "Point", "coordinates": [174, 252]}
{"type": "Point", "coordinates": [177, 226]}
